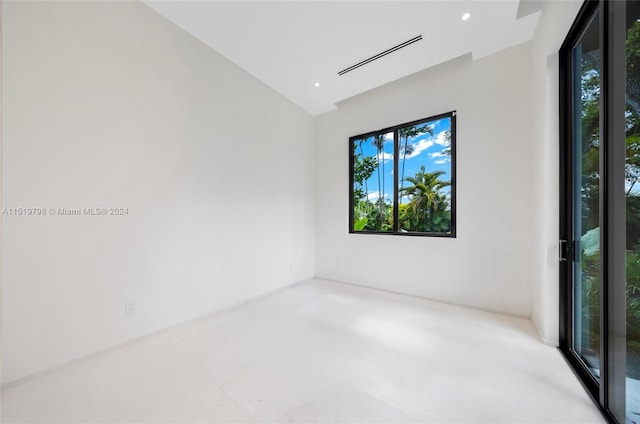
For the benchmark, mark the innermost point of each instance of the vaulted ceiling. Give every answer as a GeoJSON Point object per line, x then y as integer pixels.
{"type": "Point", "coordinates": [292, 45]}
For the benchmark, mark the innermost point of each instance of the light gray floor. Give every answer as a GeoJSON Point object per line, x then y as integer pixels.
{"type": "Point", "coordinates": [319, 352]}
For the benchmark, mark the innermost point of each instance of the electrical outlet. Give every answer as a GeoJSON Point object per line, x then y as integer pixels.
{"type": "Point", "coordinates": [129, 309]}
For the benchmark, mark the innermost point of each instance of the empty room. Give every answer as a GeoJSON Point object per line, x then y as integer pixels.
{"type": "Point", "coordinates": [320, 211]}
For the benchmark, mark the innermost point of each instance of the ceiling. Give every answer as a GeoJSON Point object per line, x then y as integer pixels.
{"type": "Point", "coordinates": [291, 45]}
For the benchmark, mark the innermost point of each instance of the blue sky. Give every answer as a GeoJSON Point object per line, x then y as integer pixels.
{"type": "Point", "coordinates": [427, 151]}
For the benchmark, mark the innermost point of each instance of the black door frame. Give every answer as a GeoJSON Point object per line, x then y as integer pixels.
{"type": "Point", "coordinates": [582, 21]}
{"type": "Point", "coordinates": [609, 390]}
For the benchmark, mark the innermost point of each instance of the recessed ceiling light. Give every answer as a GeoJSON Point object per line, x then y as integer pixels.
{"type": "Point", "coordinates": [316, 84]}
{"type": "Point", "coordinates": [466, 16]}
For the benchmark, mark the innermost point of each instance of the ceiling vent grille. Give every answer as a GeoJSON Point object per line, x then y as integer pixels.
{"type": "Point", "coordinates": [379, 55]}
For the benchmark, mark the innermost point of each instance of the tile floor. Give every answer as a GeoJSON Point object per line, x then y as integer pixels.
{"type": "Point", "coordinates": [319, 352]}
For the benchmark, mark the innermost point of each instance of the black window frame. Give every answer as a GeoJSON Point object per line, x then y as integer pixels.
{"type": "Point", "coordinates": [394, 129]}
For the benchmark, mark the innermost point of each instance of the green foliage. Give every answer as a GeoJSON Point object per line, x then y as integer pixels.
{"type": "Point", "coordinates": [633, 69]}
{"type": "Point", "coordinates": [590, 118]}
{"type": "Point", "coordinates": [360, 224]}
{"type": "Point", "coordinates": [590, 263]}
{"type": "Point", "coordinates": [632, 167]}
{"type": "Point", "coordinates": [429, 208]}
{"type": "Point", "coordinates": [367, 216]}
{"type": "Point", "coordinates": [632, 174]}
{"type": "Point", "coordinates": [633, 312]}
{"type": "Point", "coordinates": [633, 48]}
{"type": "Point", "coordinates": [632, 170]}
{"type": "Point", "coordinates": [363, 169]}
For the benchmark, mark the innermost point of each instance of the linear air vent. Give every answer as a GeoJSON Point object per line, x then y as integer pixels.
{"type": "Point", "coordinates": [379, 55]}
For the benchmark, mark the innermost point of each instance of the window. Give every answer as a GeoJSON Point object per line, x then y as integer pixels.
{"type": "Point", "coordinates": [403, 179]}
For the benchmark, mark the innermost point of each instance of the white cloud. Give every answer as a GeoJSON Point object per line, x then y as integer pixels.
{"type": "Point", "coordinates": [373, 196]}
{"type": "Point", "coordinates": [442, 140]}
{"type": "Point", "coordinates": [386, 157]}
{"type": "Point", "coordinates": [420, 147]}
{"type": "Point", "coordinates": [440, 157]}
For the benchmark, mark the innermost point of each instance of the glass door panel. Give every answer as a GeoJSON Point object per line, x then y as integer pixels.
{"type": "Point", "coordinates": [632, 197]}
{"type": "Point", "coordinates": [586, 197]}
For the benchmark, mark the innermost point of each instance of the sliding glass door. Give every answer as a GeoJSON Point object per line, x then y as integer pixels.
{"type": "Point", "coordinates": [585, 195]}
{"type": "Point", "coordinates": [600, 204]}
{"type": "Point", "coordinates": [632, 209]}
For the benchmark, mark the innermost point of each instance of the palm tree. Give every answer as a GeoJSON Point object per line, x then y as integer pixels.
{"type": "Point", "coordinates": [428, 209]}
{"type": "Point", "coordinates": [407, 149]}
{"type": "Point", "coordinates": [378, 142]}
{"type": "Point", "coordinates": [366, 188]}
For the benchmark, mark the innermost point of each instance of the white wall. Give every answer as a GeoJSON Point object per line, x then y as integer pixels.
{"type": "Point", "coordinates": [489, 265]}
{"type": "Point", "coordinates": [553, 27]}
{"type": "Point", "coordinates": [106, 104]}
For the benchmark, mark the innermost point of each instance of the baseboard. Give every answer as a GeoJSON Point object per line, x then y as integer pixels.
{"type": "Point", "coordinates": [478, 308]}
{"type": "Point", "coordinates": [547, 341]}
